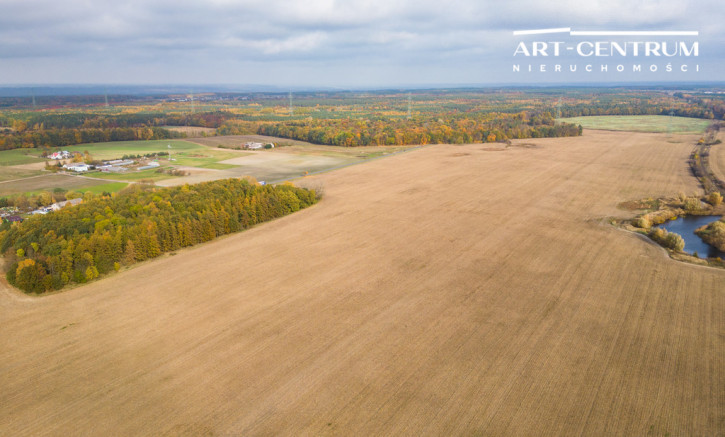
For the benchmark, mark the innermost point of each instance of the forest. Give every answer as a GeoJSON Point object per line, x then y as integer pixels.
{"type": "Point", "coordinates": [104, 233]}
{"type": "Point", "coordinates": [341, 118]}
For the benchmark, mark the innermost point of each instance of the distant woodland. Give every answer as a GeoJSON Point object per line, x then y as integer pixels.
{"type": "Point", "coordinates": [80, 243]}
{"type": "Point", "coordinates": [341, 119]}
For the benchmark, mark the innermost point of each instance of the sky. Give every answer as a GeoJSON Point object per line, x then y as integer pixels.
{"type": "Point", "coordinates": [339, 44]}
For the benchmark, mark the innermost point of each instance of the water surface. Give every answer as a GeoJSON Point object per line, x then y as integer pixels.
{"type": "Point", "coordinates": [685, 226]}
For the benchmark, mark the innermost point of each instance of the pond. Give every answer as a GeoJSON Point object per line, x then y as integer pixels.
{"type": "Point", "coordinates": [685, 226]}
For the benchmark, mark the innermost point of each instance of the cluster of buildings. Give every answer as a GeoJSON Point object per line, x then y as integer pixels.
{"type": "Point", "coordinates": [63, 154]}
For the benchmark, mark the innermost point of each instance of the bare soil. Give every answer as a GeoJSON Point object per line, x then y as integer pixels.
{"type": "Point", "coordinates": [191, 131]}
{"type": "Point", "coordinates": [445, 291]}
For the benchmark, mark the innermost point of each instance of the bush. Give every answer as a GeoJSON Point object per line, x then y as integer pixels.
{"type": "Point", "coordinates": [714, 198]}
{"type": "Point", "coordinates": [642, 222]}
{"type": "Point", "coordinates": [674, 242]}
{"type": "Point", "coordinates": [670, 240]}
{"type": "Point", "coordinates": [659, 217]}
{"type": "Point", "coordinates": [692, 204]}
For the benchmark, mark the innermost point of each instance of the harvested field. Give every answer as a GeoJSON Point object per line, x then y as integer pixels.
{"type": "Point", "coordinates": [46, 182]}
{"type": "Point", "coordinates": [444, 291]}
{"type": "Point", "coordinates": [191, 131]}
{"type": "Point", "coordinates": [8, 173]}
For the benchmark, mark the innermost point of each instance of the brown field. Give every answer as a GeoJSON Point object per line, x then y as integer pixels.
{"type": "Point", "coordinates": [299, 147]}
{"type": "Point", "coordinates": [191, 131]}
{"type": "Point", "coordinates": [447, 291]}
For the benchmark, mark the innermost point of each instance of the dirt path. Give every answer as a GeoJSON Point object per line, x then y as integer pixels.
{"type": "Point", "coordinates": [702, 168]}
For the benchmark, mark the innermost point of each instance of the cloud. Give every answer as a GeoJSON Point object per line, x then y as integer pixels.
{"type": "Point", "coordinates": [215, 39]}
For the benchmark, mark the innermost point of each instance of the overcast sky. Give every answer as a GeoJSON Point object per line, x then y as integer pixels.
{"type": "Point", "coordinates": [354, 43]}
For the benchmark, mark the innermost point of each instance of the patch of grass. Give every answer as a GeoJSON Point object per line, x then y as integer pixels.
{"type": "Point", "coordinates": [111, 187]}
{"type": "Point", "coordinates": [202, 158]}
{"type": "Point", "coordinates": [20, 156]}
{"type": "Point", "coordinates": [642, 123]}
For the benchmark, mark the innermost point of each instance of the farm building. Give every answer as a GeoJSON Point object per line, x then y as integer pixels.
{"type": "Point", "coordinates": [78, 167]}
{"type": "Point", "coordinates": [112, 168]}
{"type": "Point", "coordinates": [120, 162]}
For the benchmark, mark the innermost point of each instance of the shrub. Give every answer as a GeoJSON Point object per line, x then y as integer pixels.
{"type": "Point", "coordinates": [642, 222]}
{"type": "Point", "coordinates": [670, 240]}
{"type": "Point", "coordinates": [692, 204]}
{"type": "Point", "coordinates": [659, 217]}
{"type": "Point", "coordinates": [714, 198]}
{"type": "Point", "coordinates": [674, 241]}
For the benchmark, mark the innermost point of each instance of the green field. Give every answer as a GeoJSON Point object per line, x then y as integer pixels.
{"type": "Point", "coordinates": [115, 150]}
{"type": "Point", "coordinates": [205, 158]}
{"type": "Point", "coordinates": [110, 187]}
{"type": "Point", "coordinates": [20, 156]}
{"type": "Point", "coordinates": [641, 123]}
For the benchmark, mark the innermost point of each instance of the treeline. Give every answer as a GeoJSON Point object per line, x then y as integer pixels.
{"type": "Point", "coordinates": [580, 110]}
{"type": "Point", "coordinates": [80, 243]}
{"type": "Point", "coordinates": [67, 129]}
{"type": "Point", "coordinates": [69, 137]}
{"type": "Point", "coordinates": [84, 120]}
{"type": "Point", "coordinates": [458, 130]}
